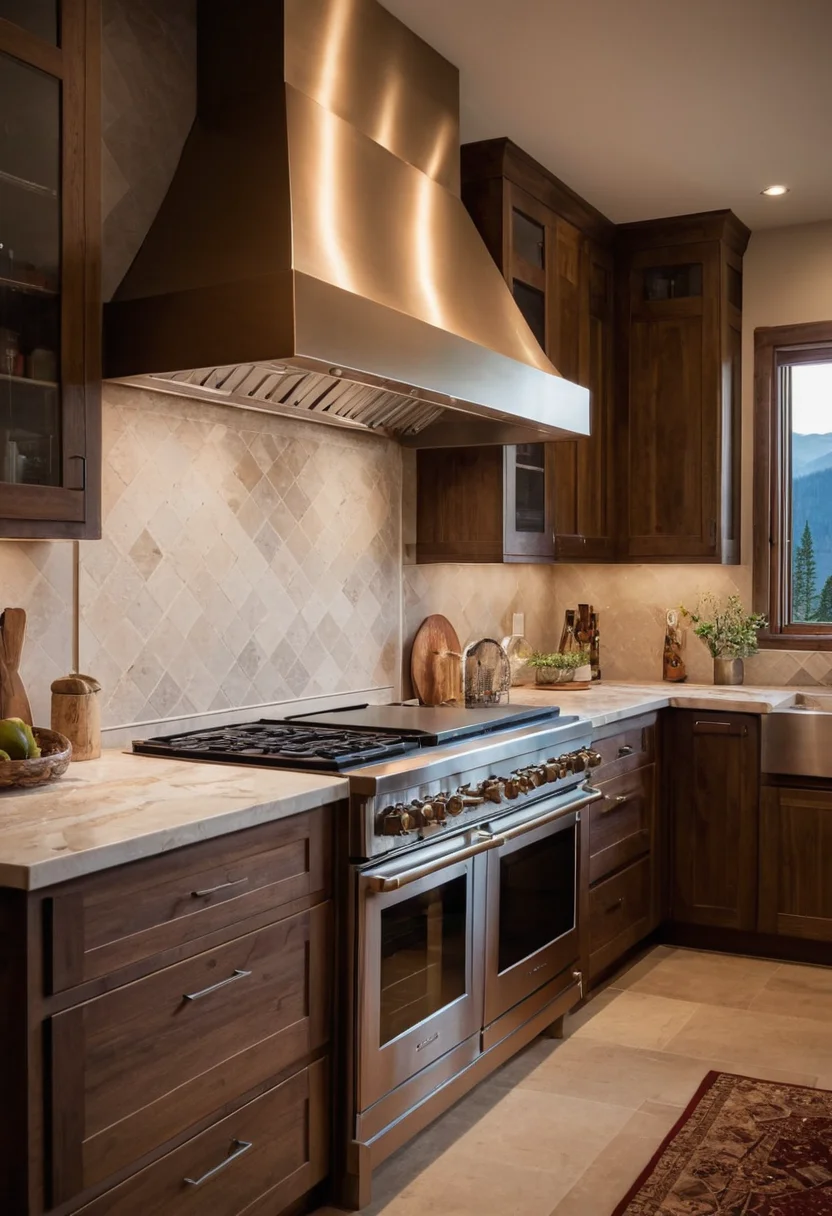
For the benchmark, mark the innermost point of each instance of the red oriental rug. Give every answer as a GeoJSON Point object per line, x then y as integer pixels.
{"type": "Point", "coordinates": [742, 1148]}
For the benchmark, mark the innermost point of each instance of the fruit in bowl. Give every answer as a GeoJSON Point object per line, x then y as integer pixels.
{"type": "Point", "coordinates": [31, 756]}
{"type": "Point", "coordinates": [17, 740]}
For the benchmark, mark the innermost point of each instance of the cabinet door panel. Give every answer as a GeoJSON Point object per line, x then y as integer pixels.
{"type": "Point", "coordinates": [675, 408]}
{"type": "Point", "coordinates": [714, 807]}
{"type": "Point", "coordinates": [795, 868]}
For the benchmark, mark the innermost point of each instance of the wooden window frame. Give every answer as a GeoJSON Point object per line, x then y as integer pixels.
{"type": "Point", "coordinates": [774, 348]}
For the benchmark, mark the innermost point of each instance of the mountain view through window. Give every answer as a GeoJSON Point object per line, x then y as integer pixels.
{"type": "Point", "coordinates": [811, 426]}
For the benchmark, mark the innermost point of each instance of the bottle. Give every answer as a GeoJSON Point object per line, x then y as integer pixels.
{"type": "Point", "coordinates": [518, 651]}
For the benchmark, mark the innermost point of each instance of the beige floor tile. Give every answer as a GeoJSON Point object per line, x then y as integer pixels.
{"type": "Point", "coordinates": [633, 1019]}
{"type": "Point", "coordinates": [803, 992]}
{"type": "Point", "coordinates": [755, 1040]}
{"type": "Point", "coordinates": [606, 1072]}
{"type": "Point", "coordinates": [611, 1175]}
{"type": "Point", "coordinates": [460, 1186]}
{"type": "Point", "coordinates": [705, 978]}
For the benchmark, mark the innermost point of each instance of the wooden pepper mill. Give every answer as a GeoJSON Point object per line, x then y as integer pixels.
{"type": "Point", "coordinates": [76, 713]}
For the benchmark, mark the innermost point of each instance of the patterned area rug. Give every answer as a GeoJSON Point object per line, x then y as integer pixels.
{"type": "Point", "coordinates": [742, 1148]}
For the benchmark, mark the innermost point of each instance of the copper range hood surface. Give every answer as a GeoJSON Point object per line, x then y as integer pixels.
{"type": "Point", "coordinates": [312, 256]}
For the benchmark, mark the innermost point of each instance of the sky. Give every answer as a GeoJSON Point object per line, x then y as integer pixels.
{"type": "Point", "coordinates": [812, 398]}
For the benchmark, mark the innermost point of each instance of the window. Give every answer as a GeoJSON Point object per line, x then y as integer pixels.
{"type": "Point", "coordinates": [793, 484]}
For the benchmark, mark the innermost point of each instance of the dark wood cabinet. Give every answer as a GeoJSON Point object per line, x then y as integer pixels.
{"type": "Point", "coordinates": [795, 865]}
{"type": "Point", "coordinates": [153, 1030]}
{"type": "Point", "coordinates": [713, 786]}
{"type": "Point", "coordinates": [680, 295]}
{"type": "Point", "coordinates": [50, 306]}
{"type": "Point", "coordinates": [537, 502]}
{"type": "Point", "coordinates": [621, 848]}
{"type": "Point", "coordinates": [484, 504]}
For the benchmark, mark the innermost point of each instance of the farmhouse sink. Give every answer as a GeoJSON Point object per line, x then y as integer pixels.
{"type": "Point", "coordinates": [797, 738]}
{"type": "Point", "coordinates": [820, 702]}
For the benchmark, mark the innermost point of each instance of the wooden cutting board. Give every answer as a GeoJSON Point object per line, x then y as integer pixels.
{"type": "Point", "coordinates": [13, 700]}
{"type": "Point", "coordinates": [436, 663]}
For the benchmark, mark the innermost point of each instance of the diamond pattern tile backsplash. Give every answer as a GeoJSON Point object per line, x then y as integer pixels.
{"type": "Point", "coordinates": [249, 559]}
{"type": "Point", "coordinates": [246, 559]}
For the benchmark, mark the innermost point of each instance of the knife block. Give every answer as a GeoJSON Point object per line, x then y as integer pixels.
{"type": "Point", "coordinates": [76, 713]}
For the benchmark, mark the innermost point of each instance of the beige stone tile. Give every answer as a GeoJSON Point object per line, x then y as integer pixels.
{"type": "Point", "coordinates": [755, 1040]}
{"type": "Point", "coordinates": [633, 1019]}
{"type": "Point", "coordinates": [605, 1072]}
{"type": "Point", "coordinates": [705, 978]}
{"type": "Point", "coordinates": [609, 1177]}
{"type": "Point", "coordinates": [455, 1186]}
{"type": "Point", "coordinates": [797, 991]}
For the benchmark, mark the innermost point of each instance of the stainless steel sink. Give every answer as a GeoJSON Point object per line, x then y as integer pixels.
{"type": "Point", "coordinates": [797, 738]}
{"type": "Point", "coordinates": [821, 702]}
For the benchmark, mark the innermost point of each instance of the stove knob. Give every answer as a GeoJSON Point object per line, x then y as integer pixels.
{"type": "Point", "coordinates": [538, 775]}
{"type": "Point", "coordinates": [397, 821]}
{"type": "Point", "coordinates": [552, 770]}
{"type": "Point", "coordinates": [512, 787]}
{"type": "Point", "coordinates": [493, 789]}
{"type": "Point", "coordinates": [595, 758]}
{"type": "Point", "coordinates": [456, 804]}
{"type": "Point", "coordinates": [431, 812]}
{"type": "Point", "coordinates": [578, 762]}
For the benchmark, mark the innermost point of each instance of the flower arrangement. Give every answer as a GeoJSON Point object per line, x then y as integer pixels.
{"type": "Point", "coordinates": [728, 631]}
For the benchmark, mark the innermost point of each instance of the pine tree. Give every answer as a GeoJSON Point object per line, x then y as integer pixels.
{"type": "Point", "coordinates": [804, 578]}
{"type": "Point", "coordinates": [824, 612]}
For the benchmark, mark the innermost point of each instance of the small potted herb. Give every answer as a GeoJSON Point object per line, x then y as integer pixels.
{"type": "Point", "coordinates": [729, 632]}
{"type": "Point", "coordinates": [556, 668]}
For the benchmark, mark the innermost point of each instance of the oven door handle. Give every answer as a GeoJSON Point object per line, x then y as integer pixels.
{"type": "Point", "coordinates": [381, 884]}
{"type": "Point", "coordinates": [590, 795]}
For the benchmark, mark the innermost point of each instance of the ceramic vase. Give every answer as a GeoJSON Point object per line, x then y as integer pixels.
{"type": "Point", "coordinates": [729, 671]}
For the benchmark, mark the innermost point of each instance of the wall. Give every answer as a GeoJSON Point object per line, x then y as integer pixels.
{"type": "Point", "coordinates": [787, 280]}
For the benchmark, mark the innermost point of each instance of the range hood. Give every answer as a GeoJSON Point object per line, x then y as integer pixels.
{"type": "Point", "coordinates": [313, 257]}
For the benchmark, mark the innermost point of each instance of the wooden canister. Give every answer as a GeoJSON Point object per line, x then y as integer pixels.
{"type": "Point", "coordinates": [76, 713]}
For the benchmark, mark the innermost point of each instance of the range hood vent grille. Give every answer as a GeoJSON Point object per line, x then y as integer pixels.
{"type": "Point", "coordinates": [276, 388]}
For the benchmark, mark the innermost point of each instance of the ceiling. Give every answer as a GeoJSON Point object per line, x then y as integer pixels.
{"type": "Point", "coordinates": [652, 107]}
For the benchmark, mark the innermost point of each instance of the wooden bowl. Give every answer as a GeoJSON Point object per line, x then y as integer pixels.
{"type": "Point", "coordinates": [56, 753]}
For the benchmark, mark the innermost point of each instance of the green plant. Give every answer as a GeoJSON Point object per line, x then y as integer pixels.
{"type": "Point", "coordinates": [563, 662]}
{"type": "Point", "coordinates": [729, 632]}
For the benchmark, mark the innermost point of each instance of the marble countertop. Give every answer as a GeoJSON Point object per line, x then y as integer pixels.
{"type": "Point", "coordinates": [123, 807]}
{"type": "Point", "coordinates": [605, 703]}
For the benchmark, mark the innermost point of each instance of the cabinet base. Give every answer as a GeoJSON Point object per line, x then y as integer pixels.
{"type": "Point", "coordinates": [744, 941]}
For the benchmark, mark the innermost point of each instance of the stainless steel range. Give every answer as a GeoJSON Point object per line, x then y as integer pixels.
{"type": "Point", "coordinates": [460, 893]}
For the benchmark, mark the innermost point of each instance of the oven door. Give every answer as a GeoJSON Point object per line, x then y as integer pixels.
{"type": "Point", "coordinates": [532, 924]}
{"type": "Point", "coordinates": [420, 951]}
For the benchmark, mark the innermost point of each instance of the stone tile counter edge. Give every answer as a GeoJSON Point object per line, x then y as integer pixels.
{"type": "Point", "coordinates": [123, 808]}
{"type": "Point", "coordinates": [607, 703]}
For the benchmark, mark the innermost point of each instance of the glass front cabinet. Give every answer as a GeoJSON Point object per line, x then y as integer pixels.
{"type": "Point", "coordinates": [50, 394]}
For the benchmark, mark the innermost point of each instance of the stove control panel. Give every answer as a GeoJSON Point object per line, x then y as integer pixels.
{"type": "Point", "coordinates": [404, 819]}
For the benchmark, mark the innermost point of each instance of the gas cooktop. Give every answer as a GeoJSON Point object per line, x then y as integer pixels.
{"type": "Point", "coordinates": [341, 740]}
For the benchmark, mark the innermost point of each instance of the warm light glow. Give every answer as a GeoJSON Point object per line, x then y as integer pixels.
{"type": "Point", "coordinates": [426, 268]}
{"type": "Point", "coordinates": [774, 191]}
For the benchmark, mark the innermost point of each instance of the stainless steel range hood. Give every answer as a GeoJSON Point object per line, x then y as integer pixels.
{"type": "Point", "coordinates": [312, 256]}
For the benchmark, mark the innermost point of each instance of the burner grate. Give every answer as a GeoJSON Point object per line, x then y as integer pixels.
{"type": "Point", "coordinates": [280, 743]}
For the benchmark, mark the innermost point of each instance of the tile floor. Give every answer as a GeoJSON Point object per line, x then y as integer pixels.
{"type": "Point", "coordinates": [565, 1127]}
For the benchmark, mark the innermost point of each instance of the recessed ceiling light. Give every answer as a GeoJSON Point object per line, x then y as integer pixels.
{"type": "Point", "coordinates": [774, 191]}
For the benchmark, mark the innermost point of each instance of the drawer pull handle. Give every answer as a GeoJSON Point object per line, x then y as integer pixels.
{"type": "Point", "coordinates": [242, 1146]}
{"type": "Point", "coordinates": [619, 903]}
{"type": "Point", "coordinates": [626, 750]}
{"type": "Point", "coordinates": [223, 886]}
{"type": "Point", "coordinates": [615, 802]}
{"type": "Point", "coordinates": [232, 979]}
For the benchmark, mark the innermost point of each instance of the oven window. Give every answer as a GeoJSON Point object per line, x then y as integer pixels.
{"type": "Point", "coordinates": [423, 950]}
{"type": "Point", "coordinates": [537, 896]}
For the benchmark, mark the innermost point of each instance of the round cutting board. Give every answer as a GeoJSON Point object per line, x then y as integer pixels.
{"type": "Point", "coordinates": [436, 663]}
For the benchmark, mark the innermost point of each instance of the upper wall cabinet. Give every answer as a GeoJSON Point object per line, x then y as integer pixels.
{"type": "Point", "coordinates": [50, 395]}
{"type": "Point", "coordinates": [680, 292]}
{"type": "Point", "coordinates": [541, 502]}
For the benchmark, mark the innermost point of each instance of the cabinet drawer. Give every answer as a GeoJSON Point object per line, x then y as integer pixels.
{"type": "Point", "coordinates": [287, 1130]}
{"type": "Point", "coordinates": [621, 824]}
{"type": "Point", "coordinates": [101, 924]}
{"type": "Point", "coordinates": [138, 1066]}
{"type": "Point", "coordinates": [629, 749]}
{"type": "Point", "coordinates": [620, 914]}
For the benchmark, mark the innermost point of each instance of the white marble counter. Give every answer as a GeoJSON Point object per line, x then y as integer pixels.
{"type": "Point", "coordinates": [605, 703]}
{"type": "Point", "coordinates": [124, 807]}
